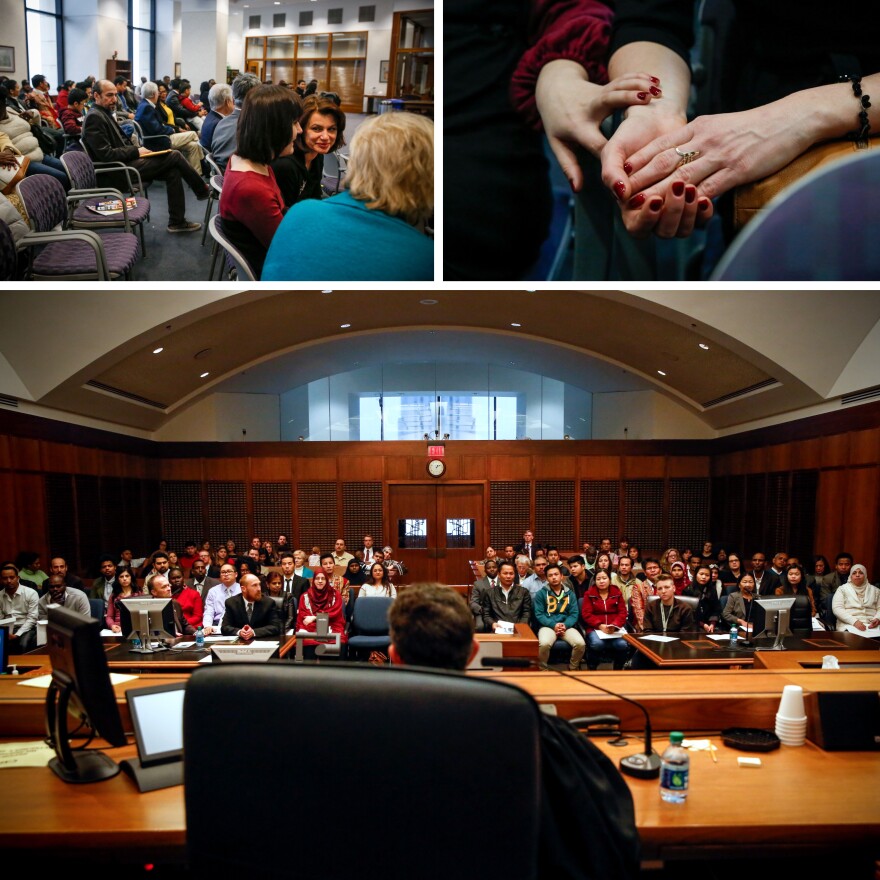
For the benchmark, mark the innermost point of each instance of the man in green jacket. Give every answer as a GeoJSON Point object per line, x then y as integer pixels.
{"type": "Point", "coordinates": [556, 610]}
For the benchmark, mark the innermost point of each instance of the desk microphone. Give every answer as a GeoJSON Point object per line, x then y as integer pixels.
{"type": "Point", "coordinates": [644, 765]}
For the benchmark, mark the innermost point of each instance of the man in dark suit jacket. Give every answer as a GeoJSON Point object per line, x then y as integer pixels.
{"type": "Point", "coordinates": [200, 579]}
{"type": "Point", "coordinates": [105, 142]}
{"type": "Point", "coordinates": [514, 606]}
{"type": "Point", "coordinates": [263, 621]}
{"type": "Point", "coordinates": [481, 587]}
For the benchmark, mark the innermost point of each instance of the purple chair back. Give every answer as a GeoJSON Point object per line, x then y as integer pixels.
{"type": "Point", "coordinates": [80, 169]}
{"type": "Point", "coordinates": [44, 201]}
{"type": "Point", "coordinates": [8, 254]}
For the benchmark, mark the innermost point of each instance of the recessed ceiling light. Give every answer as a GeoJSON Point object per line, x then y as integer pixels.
{"type": "Point", "coordinates": [514, 324]}
{"type": "Point", "coordinates": [345, 326]}
{"type": "Point", "coordinates": [158, 350]}
{"type": "Point", "coordinates": [326, 291]}
{"type": "Point", "coordinates": [533, 290]}
{"type": "Point", "coordinates": [428, 302]}
{"type": "Point", "coordinates": [704, 346]}
{"type": "Point", "coordinates": [661, 372]}
{"type": "Point", "coordinates": [204, 375]}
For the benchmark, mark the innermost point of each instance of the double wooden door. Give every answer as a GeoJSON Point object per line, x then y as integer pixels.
{"type": "Point", "coordinates": [436, 529]}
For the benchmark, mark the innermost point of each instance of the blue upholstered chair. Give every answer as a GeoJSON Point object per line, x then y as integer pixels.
{"type": "Point", "coordinates": [369, 626]}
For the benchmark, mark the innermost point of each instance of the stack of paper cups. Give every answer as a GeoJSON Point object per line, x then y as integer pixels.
{"type": "Point", "coordinates": [791, 719]}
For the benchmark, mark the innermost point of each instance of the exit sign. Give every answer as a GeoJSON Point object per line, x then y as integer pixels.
{"type": "Point", "coordinates": [436, 451]}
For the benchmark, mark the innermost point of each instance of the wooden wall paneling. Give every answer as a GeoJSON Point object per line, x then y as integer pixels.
{"type": "Point", "coordinates": [806, 454]}
{"type": "Point", "coordinates": [25, 454]}
{"type": "Point", "coordinates": [318, 514]}
{"type": "Point", "coordinates": [510, 512]}
{"type": "Point", "coordinates": [831, 512]}
{"type": "Point", "coordinates": [643, 524]}
{"type": "Point", "coordinates": [861, 524]}
{"type": "Point", "coordinates": [779, 457]}
{"type": "Point", "coordinates": [360, 468]}
{"type": "Point", "coordinates": [554, 513]}
{"type": "Point", "coordinates": [87, 461]}
{"type": "Point", "coordinates": [684, 466]}
{"type": "Point", "coordinates": [270, 469]}
{"type": "Point", "coordinates": [777, 513]}
{"type": "Point", "coordinates": [5, 452]}
{"type": "Point", "coordinates": [183, 513]}
{"type": "Point", "coordinates": [396, 467]}
{"type": "Point", "coordinates": [510, 467]}
{"type": "Point", "coordinates": [688, 502]}
{"type": "Point", "coordinates": [362, 513]}
{"type": "Point", "coordinates": [835, 450]}
{"type": "Point", "coordinates": [272, 514]}
{"type": "Point", "coordinates": [112, 530]}
{"type": "Point", "coordinates": [57, 457]}
{"type": "Point", "coordinates": [10, 541]}
{"type": "Point", "coordinates": [756, 460]}
{"type": "Point", "coordinates": [599, 467]}
{"type": "Point", "coordinates": [554, 467]}
{"type": "Point", "coordinates": [28, 501]}
{"type": "Point", "coordinates": [225, 469]}
{"type": "Point", "coordinates": [88, 522]}
{"type": "Point", "coordinates": [754, 530]}
{"type": "Point", "coordinates": [474, 467]}
{"type": "Point", "coordinates": [176, 469]}
{"type": "Point", "coordinates": [61, 517]}
{"type": "Point", "coordinates": [864, 446]}
{"type": "Point", "coordinates": [315, 469]}
{"type": "Point", "coordinates": [644, 467]}
{"type": "Point", "coordinates": [599, 511]}
{"type": "Point", "coordinates": [227, 514]}
{"type": "Point", "coordinates": [802, 527]}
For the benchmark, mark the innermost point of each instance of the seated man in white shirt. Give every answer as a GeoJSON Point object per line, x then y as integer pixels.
{"type": "Point", "coordinates": [215, 601]}
{"type": "Point", "coordinates": [20, 603]}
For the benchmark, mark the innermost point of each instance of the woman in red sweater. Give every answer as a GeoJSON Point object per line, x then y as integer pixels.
{"type": "Point", "coordinates": [321, 598]}
{"type": "Point", "coordinates": [604, 611]}
{"type": "Point", "coordinates": [251, 205]}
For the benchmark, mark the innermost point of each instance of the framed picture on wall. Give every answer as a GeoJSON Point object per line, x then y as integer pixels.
{"type": "Point", "coordinates": [383, 71]}
{"type": "Point", "coordinates": [7, 59]}
{"type": "Point", "coordinates": [177, 69]}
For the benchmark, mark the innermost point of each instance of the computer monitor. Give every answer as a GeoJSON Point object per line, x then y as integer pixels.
{"type": "Point", "coordinates": [147, 620]}
{"type": "Point", "coordinates": [80, 685]}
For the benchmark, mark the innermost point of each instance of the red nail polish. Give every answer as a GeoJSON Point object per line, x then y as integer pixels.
{"type": "Point", "coordinates": [642, 95]}
{"type": "Point", "coordinates": [678, 188]}
{"type": "Point", "coordinates": [627, 168]}
{"type": "Point", "coordinates": [620, 189]}
{"type": "Point", "coordinates": [637, 201]}
{"type": "Point", "coordinates": [655, 80]}
{"type": "Point", "coordinates": [690, 194]}
{"type": "Point", "coordinates": [655, 204]}
{"type": "Point", "coordinates": [655, 91]}
{"type": "Point", "coordinates": [703, 205]}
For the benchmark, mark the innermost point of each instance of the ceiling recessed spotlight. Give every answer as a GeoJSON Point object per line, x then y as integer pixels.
{"type": "Point", "coordinates": [531, 291]}
{"type": "Point", "coordinates": [514, 324]}
{"type": "Point", "coordinates": [704, 346]}
{"type": "Point", "coordinates": [204, 375]}
{"type": "Point", "coordinates": [326, 291]}
{"type": "Point", "coordinates": [661, 372]}
{"type": "Point", "coordinates": [345, 326]}
{"type": "Point", "coordinates": [428, 302]}
{"type": "Point", "coordinates": [158, 350]}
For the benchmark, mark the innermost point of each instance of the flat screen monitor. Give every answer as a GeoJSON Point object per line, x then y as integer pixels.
{"type": "Point", "coordinates": [157, 716]}
{"type": "Point", "coordinates": [147, 619]}
{"type": "Point", "coordinates": [80, 685]}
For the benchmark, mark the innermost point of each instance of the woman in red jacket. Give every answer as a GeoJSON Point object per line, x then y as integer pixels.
{"type": "Point", "coordinates": [321, 598]}
{"type": "Point", "coordinates": [604, 613]}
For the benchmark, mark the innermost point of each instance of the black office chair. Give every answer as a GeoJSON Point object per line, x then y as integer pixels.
{"type": "Point", "coordinates": [96, 606]}
{"type": "Point", "coordinates": [369, 626]}
{"type": "Point", "coordinates": [397, 739]}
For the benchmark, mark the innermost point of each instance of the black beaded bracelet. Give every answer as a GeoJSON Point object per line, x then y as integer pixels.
{"type": "Point", "coordinates": [861, 133]}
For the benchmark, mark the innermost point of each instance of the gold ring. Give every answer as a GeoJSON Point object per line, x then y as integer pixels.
{"type": "Point", "coordinates": [686, 156]}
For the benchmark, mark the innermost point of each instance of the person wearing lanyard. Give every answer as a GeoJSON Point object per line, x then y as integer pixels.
{"type": "Point", "coordinates": [669, 615]}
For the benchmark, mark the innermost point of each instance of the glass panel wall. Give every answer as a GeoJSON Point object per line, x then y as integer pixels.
{"type": "Point", "coordinates": [463, 401]}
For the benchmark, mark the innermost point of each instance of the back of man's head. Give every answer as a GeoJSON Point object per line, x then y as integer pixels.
{"type": "Point", "coordinates": [431, 625]}
{"type": "Point", "coordinates": [241, 85]}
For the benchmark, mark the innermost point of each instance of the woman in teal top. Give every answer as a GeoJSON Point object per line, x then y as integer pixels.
{"type": "Point", "coordinates": [374, 230]}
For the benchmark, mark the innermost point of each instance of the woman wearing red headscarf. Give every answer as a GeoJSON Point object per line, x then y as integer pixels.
{"type": "Point", "coordinates": [321, 598]}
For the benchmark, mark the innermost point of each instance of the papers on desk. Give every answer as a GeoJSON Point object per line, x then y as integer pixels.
{"type": "Point", "coordinates": [817, 625]}
{"type": "Point", "coordinates": [43, 681]}
{"type": "Point", "coordinates": [220, 638]}
{"type": "Point", "coordinates": [720, 637]}
{"type": "Point", "coordinates": [25, 754]}
{"type": "Point", "coordinates": [207, 659]}
{"type": "Point", "coordinates": [604, 635]}
{"type": "Point", "coordinates": [659, 639]}
{"type": "Point", "coordinates": [867, 633]}
{"type": "Point", "coordinates": [109, 634]}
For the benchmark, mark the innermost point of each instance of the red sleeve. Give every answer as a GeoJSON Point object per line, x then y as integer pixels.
{"type": "Point", "coordinates": [301, 613]}
{"type": "Point", "coordinates": [591, 621]}
{"type": "Point", "coordinates": [576, 30]}
{"type": "Point", "coordinates": [619, 619]}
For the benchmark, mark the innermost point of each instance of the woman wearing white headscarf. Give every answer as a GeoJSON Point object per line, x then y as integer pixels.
{"type": "Point", "coordinates": [857, 602]}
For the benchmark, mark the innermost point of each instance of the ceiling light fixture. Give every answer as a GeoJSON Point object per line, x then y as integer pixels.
{"type": "Point", "coordinates": [345, 326]}
{"type": "Point", "coordinates": [661, 372]}
{"type": "Point", "coordinates": [158, 350]}
{"type": "Point", "coordinates": [428, 302]}
{"type": "Point", "coordinates": [514, 324]}
{"type": "Point", "coordinates": [326, 291]}
{"type": "Point", "coordinates": [704, 346]}
{"type": "Point", "coordinates": [204, 375]}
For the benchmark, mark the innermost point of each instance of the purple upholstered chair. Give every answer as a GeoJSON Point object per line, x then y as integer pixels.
{"type": "Point", "coordinates": [75, 254]}
{"type": "Point", "coordinates": [86, 192]}
{"type": "Point", "coordinates": [823, 228]}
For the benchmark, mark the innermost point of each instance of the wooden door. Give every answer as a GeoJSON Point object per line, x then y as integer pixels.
{"type": "Point", "coordinates": [436, 529]}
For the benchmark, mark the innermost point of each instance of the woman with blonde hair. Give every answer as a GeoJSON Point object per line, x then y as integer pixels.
{"type": "Point", "coordinates": [376, 225]}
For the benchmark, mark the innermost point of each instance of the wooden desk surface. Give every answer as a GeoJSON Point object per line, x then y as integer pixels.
{"type": "Point", "coordinates": [696, 650]}
{"type": "Point", "coordinates": [523, 643]}
{"type": "Point", "coordinates": [784, 805]}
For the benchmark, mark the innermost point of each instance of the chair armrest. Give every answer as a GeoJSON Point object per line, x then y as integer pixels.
{"type": "Point", "coordinates": [116, 167]}
{"type": "Point", "coordinates": [35, 239]}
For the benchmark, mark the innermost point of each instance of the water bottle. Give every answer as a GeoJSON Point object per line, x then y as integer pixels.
{"type": "Point", "coordinates": [733, 635]}
{"type": "Point", "coordinates": [200, 638]}
{"type": "Point", "coordinates": [135, 643]}
{"type": "Point", "coordinates": [674, 770]}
